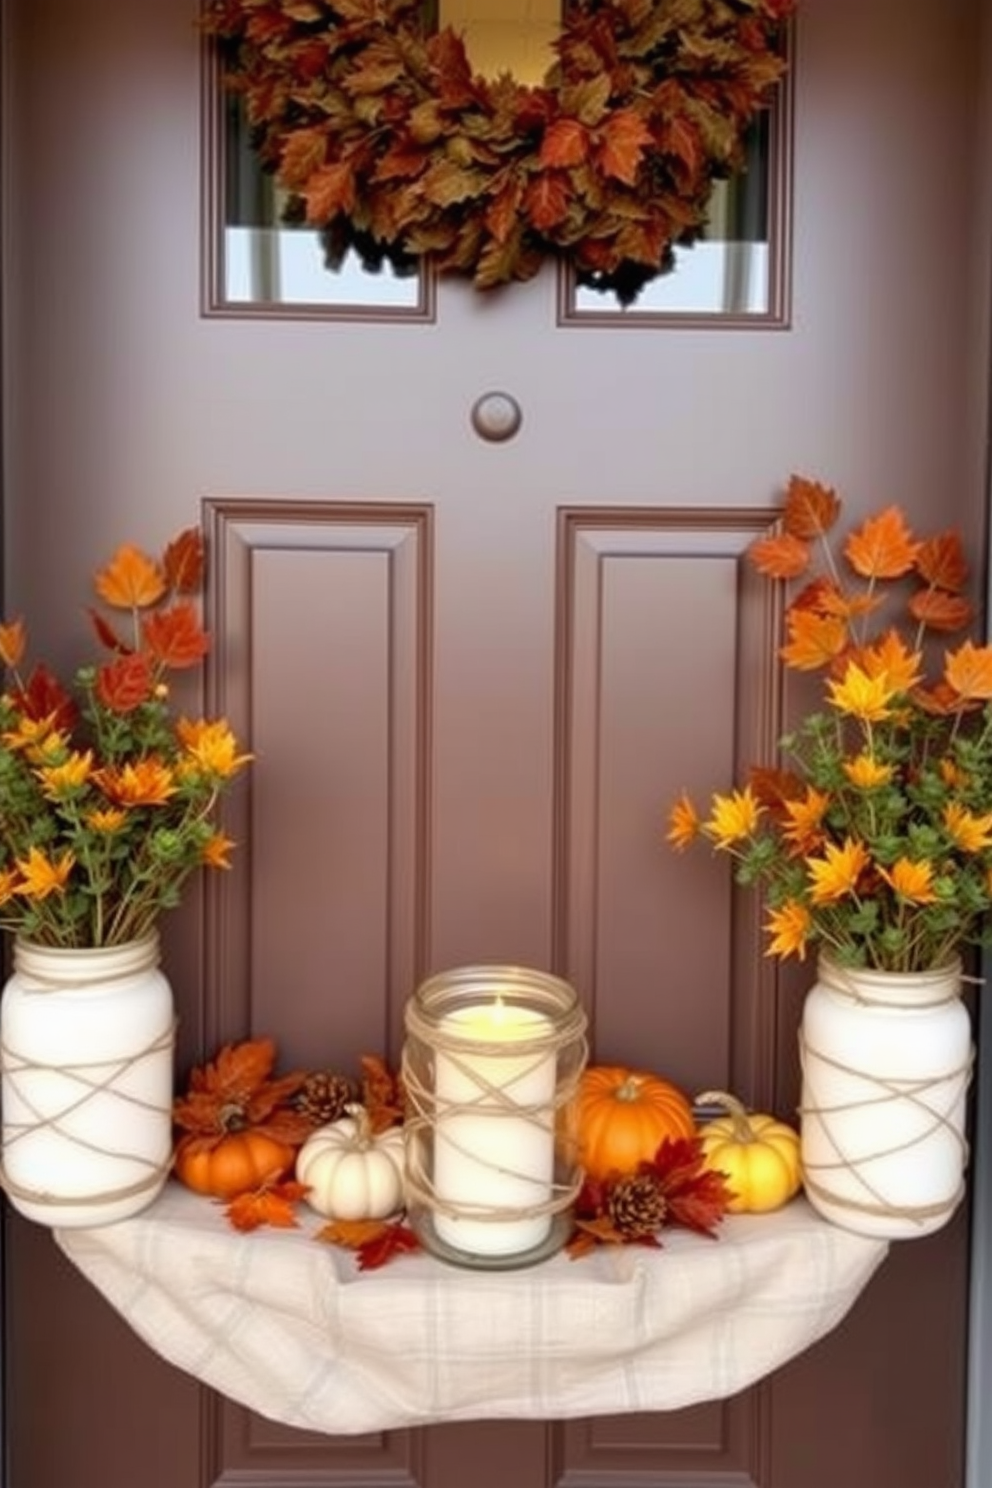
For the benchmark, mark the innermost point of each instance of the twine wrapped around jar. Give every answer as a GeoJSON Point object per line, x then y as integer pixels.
{"type": "Point", "coordinates": [86, 1056]}
{"type": "Point", "coordinates": [886, 1061]}
{"type": "Point", "coordinates": [491, 1068]}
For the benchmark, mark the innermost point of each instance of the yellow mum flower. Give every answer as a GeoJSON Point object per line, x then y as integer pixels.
{"type": "Point", "coordinates": [864, 697]}
{"type": "Point", "coordinates": [952, 774]}
{"type": "Point", "coordinates": [971, 833]}
{"type": "Point", "coordinates": [789, 928]}
{"type": "Point", "coordinates": [836, 874]}
{"type": "Point", "coordinates": [148, 782]}
{"type": "Point", "coordinates": [107, 819]}
{"type": "Point", "coordinates": [216, 851]}
{"type": "Point", "coordinates": [212, 746]}
{"type": "Point", "coordinates": [683, 823]}
{"type": "Point", "coordinates": [805, 818]}
{"type": "Point", "coordinates": [734, 818]}
{"type": "Point", "coordinates": [866, 772]}
{"type": "Point", "coordinates": [73, 773]}
{"type": "Point", "coordinates": [41, 875]}
{"type": "Point", "coordinates": [30, 733]}
{"type": "Point", "coordinates": [912, 881]}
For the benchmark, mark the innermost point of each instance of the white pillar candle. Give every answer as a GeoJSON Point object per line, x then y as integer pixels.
{"type": "Point", "coordinates": [485, 1156]}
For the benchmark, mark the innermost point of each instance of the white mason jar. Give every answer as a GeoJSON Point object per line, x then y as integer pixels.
{"type": "Point", "coordinates": [86, 1059]}
{"type": "Point", "coordinates": [886, 1062]}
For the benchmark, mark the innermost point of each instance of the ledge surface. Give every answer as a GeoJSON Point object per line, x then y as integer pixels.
{"type": "Point", "coordinates": [289, 1327]}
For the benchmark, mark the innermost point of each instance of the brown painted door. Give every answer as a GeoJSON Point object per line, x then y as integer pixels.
{"type": "Point", "coordinates": [473, 673]}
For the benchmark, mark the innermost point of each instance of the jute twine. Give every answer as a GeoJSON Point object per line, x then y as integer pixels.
{"type": "Point", "coordinates": [914, 1093]}
{"type": "Point", "coordinates": [426, 1114]}
{"type": "Point", "coordinates": [89, 1078]}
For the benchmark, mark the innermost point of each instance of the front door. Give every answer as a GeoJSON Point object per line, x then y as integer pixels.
{"type": "Point", "coordinates": [475, 670]}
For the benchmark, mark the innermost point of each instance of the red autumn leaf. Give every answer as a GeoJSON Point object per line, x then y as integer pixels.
{"type": "Point", "coordinates": [107, 635]}
{"type": "Point", "coordinates": [330, 190]}
{"type": "Point", "coordinates": [565, 143]}
{"type": "Point", "coordinates": [883, 546]}
{"type": "Point", "coordinates": [938, 610]}
{"type": "Point", "coordinates": [125, 683]}
{"type": "Point", "coordinates": [681, 139]}
{"type": "Point", "coordinates": [272, 1205]}
{"type": "Point", "coordinates": [773, 788]}
{"type": "Point", "coordinates": [401, 162]}
{"type": "Point", "coordinates": [502, 213]}
{"type": "Point", "coordinates": [623, 140]}
{"type": "Point", "coordinates": [811, 509]}
{"type": "Point", "coordinates": [941, 561]}
{"type": "Point", "coordinates": [382, 1093]}
{"type": "Point", "coordinates": [183, 562]}
{"type": "Point", "coordinates": [397, 1239]}
{"type": "Point", "coordinates": [697, 1197]}
{"type": "Point", "coordinates": [175, 637]}
{"type": "Point", "coordinates": [44, 697]}
{"type": "Point", "coordinates": [780, 557]}
{"type": "Point", "coordinates": [546, 200]}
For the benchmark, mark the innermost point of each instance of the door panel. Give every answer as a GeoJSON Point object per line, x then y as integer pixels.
{"type": "Point", "coordinates": [474, 674]}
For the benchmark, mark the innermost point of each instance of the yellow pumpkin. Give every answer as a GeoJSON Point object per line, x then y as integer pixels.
{"type": "Point", "coordinates": [623, 1116]}
{"type": "Point", "coordinates": [758, 1154]}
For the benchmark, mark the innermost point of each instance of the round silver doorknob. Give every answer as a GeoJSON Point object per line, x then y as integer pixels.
{"type": "Point", "coordinates": [496, 416]}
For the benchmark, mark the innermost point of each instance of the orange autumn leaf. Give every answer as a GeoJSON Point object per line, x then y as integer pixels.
{"type": "Point", "coordinates": [969, 670]}
{"type": "Point", "coordinates": [811, 509]}
{"type": "Point", "coordinates": [175, 636]}
{"type": "Point", "coordinates": [131, 580]}
{"type": "Point", "coordinates": [883, 546]}
{"type": "Point", "coordinates": [565, 143]}
{"type": "Point", "coordinates": [772, 788]}
{"type": "Point", "coordinates": [779, 557]}
{"type": "Point", "coordinates": [938, 610]}
{"type": "Point", "coordinates": [624, 138]}
{"type": "Point", "coordinates": [941, 561]}
{"type": "Point", "coordinates": [13, 639]}
{"type": "Point", "coordinates": [382, 1093]}
{"type": "Point", "coordinates": [352, 1234]}
{"type": "Point", "coordinates": [273, 1205]}
{"type": "Point", "coordinates": [183, 562]}
{"type": "Point", "coordinates": [814, 641]}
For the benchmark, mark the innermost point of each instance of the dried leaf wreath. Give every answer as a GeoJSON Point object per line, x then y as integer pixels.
{"type": "Point", "coordinates": [387, 141]}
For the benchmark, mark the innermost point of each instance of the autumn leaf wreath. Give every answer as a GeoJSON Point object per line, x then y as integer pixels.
{"type": "Point", "coordinates": [387, 141]}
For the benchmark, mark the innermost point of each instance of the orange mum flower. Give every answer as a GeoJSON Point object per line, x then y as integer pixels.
{"type": "Point", "coordinates": [836, 873]}
{"type": "Point", "coordinates": [789, 928]}
{"type": "Point", "coordinates": [41, 875]}
{"type": "Point", "coordinates": [911, 881]}
{"type": "Point", "coordinates": [683, 823]}
{"type": "Point", "coordinates": [147, 782]}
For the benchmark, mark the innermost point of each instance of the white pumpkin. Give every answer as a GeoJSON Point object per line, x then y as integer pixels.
{"type": "Point", "coordinates": [349, 1172]}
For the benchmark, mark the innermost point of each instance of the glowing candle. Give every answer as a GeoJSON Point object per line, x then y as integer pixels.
{"type": "Point", "coordinates": [494, 1138]}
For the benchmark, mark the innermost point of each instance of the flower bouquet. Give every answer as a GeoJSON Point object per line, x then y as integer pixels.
{"type": "Point", "coordinates": [871, 840]}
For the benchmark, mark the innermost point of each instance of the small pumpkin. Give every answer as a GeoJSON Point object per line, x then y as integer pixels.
{"type": "Point", "coordinates": [233, 1164]}
{"type": "Point", "coordinates": [758, 1154]}
{"type": "Point", "coordinates": [349, 1172]}
{"type": "Point", "coordinates": [624, 1115]}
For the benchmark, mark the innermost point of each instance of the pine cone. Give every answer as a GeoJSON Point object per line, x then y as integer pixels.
{"type": "Point", "coordinates": [637, 1206]}
{"type": "Point", "coordinates": [323, 1096]}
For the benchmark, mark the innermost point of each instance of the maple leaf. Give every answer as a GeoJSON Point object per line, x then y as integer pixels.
{"type": "Point", "coordinates": [623, 140]}
{"type": "Point", "coordinates": [938, 610]}
{"type": "Point", "coordinates": [236, 1090]}
{"type": "Point", "coordinates": [125, 683]}
{"type": "Point", "coordinates": [398, 1239]}
{"type": "Point", "coordinates": [330, 190]}
{"type": "Point", "coordinates": [501, 214]}
{"type": "Point", "coordinates": [882, 547]}
{"type": "Point", "coordinates": [43, 696]}
{"type": "Point", "coordinates": [382, 1093]}
{"type": "Point", "coordinates": [941, 561]}
{"type": "Point", "coordinates": [175, 637]}
{"type": "Point", "coordinates": [782, 556]}
{"type": "Point", "coordinates": [810, 510]}
{"type": "Point", "coordinates": [773, 788]}
{"type": "Point", "coordinates": [273, 1204]}
{"type": "Point", "coordinates": [697, 1196]}
{"type": "Point", "coordinates": [546, 200]}
{"type": "Point", "coordinates": [131, 580]}
{"type": "Point", "coordinates": [106, 634]}
{"type": "Point", "coordinates": [401, 162]}
{"type": "Point", "coordinates": [565, 142]}
{"type": "Point", "coordinates": [813, 640]}
{"type": "Point", "coordinates": [969, 670]}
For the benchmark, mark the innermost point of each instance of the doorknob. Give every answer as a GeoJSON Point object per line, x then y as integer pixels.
{"type": "Point", "coordinates": [496, 416]}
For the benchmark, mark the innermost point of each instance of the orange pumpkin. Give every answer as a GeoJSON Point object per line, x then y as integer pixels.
{"type": "Point", "coordinates": [624, 1115]}
{"type": "Point", "coordinates": [236, 1164]}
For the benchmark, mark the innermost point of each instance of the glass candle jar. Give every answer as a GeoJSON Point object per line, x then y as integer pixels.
{"type": "Point", "coordinates": [491, 1066]}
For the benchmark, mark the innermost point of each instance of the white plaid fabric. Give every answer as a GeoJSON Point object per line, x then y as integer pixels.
{"type": "Point", "coordinates": [289, 1327]}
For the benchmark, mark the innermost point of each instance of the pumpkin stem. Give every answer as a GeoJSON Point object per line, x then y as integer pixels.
{"type": "Point", "coordinates": [231, 1117]}
{"type": "Point", "coordinates": [743, 1130]}
{"type": "Point", "coordinates": [630, 1090]}
{"type": "Point", "coordinates": [363, 1124]}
